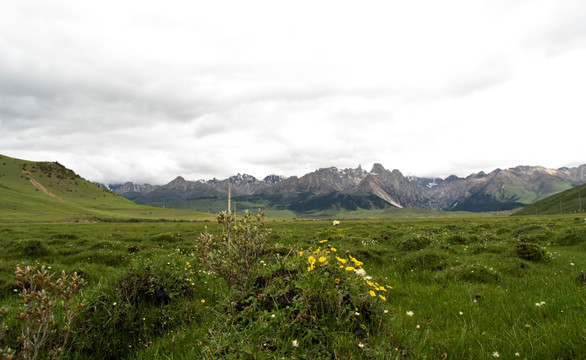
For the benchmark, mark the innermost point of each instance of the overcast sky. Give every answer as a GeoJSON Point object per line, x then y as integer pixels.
{"type": "Point", "coordinates": [145, 91]}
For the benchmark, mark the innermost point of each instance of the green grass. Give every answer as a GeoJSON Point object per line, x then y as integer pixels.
{"type": "Point", "coordinates": [571, 201]}
{"type": "Point", "coordinates": [48, 192]}
{"type": "Point", "coordinates": [470, 290]}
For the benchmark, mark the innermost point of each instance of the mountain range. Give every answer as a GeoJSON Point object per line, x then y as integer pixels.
{"type": "Point", "coordinates": [355, 189]}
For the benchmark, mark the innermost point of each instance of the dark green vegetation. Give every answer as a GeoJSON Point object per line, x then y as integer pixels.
{"type": "Point", "coordinates": [467, 288]}
{"type": "Point", "coordinates": [571, 201]}
{"type": "Point", "coordinates": [49, 192]}
{"type": "Point", "coordinates": [332, 205]}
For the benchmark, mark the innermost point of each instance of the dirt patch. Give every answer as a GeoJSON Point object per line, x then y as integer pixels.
{"type": "Point", "coordinates": [39, 186]}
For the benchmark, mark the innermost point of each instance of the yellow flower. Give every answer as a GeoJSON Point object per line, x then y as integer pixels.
{"type": "Point", "coordinates": [203, 301]}
{"type": "Point", "coordinates": [322, 259]}
{"type": "Point", "coordinates": [382, 297]}
{"type": "Point", "coordinates": [333, 249]}
{"type": "Point", "coordinates": [337, 281]}
{"type": "Point", "coordinates": [323, 241]}
{"type": "Point", "coordinates": [343, 261]}
{"type": "Point", "coordinates": [356, 262]}
{"type": "Point", "coordinates": [349, 268]}
{"type": "Point", "coordinates": [301, 253]}
{"type": "Point", "coordinates": [390, 287]}
{"type": "Point", "coordinates": [311, 261]}
{"type": "Point", "coordinates": [372, 293]}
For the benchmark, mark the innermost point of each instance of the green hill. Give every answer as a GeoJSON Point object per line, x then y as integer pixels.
{"type": "Point", "coordinates": [49, 192]}
{"type": "Point", "coordinates": [571, 201]}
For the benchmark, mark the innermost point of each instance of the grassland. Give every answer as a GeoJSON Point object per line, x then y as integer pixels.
{"type": "Point", "coordinates": [571, 201]}
{"type": "Point", "coordinates": [49, 192]}
{"type": "Point", "coordinates": [462, 288]}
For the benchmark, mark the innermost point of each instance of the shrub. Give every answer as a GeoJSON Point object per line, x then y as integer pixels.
{"type": "Point", "coordinates": [572, 237]}
{"type": "Point", "coordinates": [424, 261]}
{"type": "Point", "coordinates": [150, 298]}
{"type": "Point", "coordinates": [415, 243]}
{"type": "Point", "coordinates": [457, 239]}
{"type": "Point", "coordinates": [235, 255]}
{"type": "Point", "coordinates": [34, 248]}
{"type": "Point", "coordinates": [529, 251]}
{"type": "Point", "coordinates": [42, 331]}
{"type": "Point", "coordinates": [472, 273]}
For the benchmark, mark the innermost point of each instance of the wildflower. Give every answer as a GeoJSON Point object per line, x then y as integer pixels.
{"type": "Point", "coordinates": [356, 313]}
{"type": "Point", "coordinates": [311, 261]}
{"type": "Point", "coordinates": [360, 272]}
{"type": "Point", "coordinates": [382, 297]}
{"type": "Point", "coordinates": [343, 261]}
{"type": "Point", "coordinates": [496, 354]}
{"type": "Point", "coordinates": [410, 313]}
{"type": "Point", "coordinates": [114, 303]}
{"type": "Point", "coordinates": [301, 253]}
{"type": "Point", "coordinates": [333, 249]}
{"type": "Point", "coordinates": [323, 241]}
{"type": "Point", "coordinates": [390, 287]}
{"type": "Point", "coordinates": [349, 268]}
{"type": "Point", "coordinates": [337, 280]}
{"type": "Point", "coordinates": [386, 311]}
{"type": "Point", "coordinates": [273, 316]}
{"type": "Point", "coordinates": [572, 264]}
{"type": "Point", "coordinates": [150, 342]}
{"type": "Point", "coordinates": [322, 259]}
{"type": "Point", "coordinates": [360, 345]}
{"type": "Point", "coordinates": [203, 301]}
{"type": "Point", "coordinates": [355, 261]}
{"type": "Point", "coordinates": [461, 313]}
{"type": "Point", "coordinates": [295, 343]}
{"type": "Point", "coordinates": [418, 326]}
{"type": "Point", "coordinates": [336, 222]}
{"type": "Point", "coordinates": [517, 354]}
{"type": "Point", "coordinates": [540, 304]}
{"type": "Point", "coordinates": [372, 293]}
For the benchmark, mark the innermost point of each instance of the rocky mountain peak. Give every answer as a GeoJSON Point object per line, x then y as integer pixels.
{"type": "Point", "coordinates": [377, 169]}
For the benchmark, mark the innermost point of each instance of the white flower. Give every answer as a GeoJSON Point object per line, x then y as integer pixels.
{"type": "Point", "coordinates": [418, 327]}
{"type": "Point", "coordinates": [461, 313]}
{"type": "Point", "coordinates": [540, 304]}
{"type": "Point", "coordinates": [386, 311]}
{"type": "Point", "coordinates": [360, 345]}
{"type": "Point", "coordinates": [572, 264]}
{"type": "Point", "coordinates": [517, 354]}
{"type": "Point", "coordinates": [360, 272]}
{"type": "Point", "coordinates": [410, 313]}
{"type": "Point", "coordinates": [272, 315]}
{"type": "Point", "coordinates": [295, 343]}
{"type": "Point", "coordinates": [357, 314]}
{"type": "Point", "coordinates": [336, 222]}
{"type": "Point", "coordinates": [496, 354]}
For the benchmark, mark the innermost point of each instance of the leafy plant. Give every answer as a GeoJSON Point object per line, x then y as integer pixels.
{"type": "Point", "coordinates": [235, 255]}
{"type": "Point", "coordinates": [40, 296]}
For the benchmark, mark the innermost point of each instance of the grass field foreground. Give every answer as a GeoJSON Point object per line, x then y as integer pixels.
{"type": "Point", "coordinates": [461, 288]}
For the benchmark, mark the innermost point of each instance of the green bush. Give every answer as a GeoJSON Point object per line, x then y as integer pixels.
{"type": "Point", "coordinates": [415, 243]}
{"type": "Point", "coordinates": [529, 251]}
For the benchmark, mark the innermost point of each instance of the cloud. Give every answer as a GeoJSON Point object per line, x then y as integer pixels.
{"type": "Point", "coordinates": [137, 91]}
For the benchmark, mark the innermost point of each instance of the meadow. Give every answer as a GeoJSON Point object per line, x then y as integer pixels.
{"type": "Point", "coordinates": [468, 288]}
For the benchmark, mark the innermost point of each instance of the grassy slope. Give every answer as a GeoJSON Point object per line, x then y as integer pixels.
{"type": "Point", "coordinates": [568, 202]}
{"type": "Point", "coordinates": [43, 191]}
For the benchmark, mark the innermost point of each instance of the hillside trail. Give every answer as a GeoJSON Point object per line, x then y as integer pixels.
{"type": "Point", "coordinates": [40, 186]}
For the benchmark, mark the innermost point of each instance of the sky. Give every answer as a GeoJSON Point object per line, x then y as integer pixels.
{"type": "Point", "coordinates": [146, 91]}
